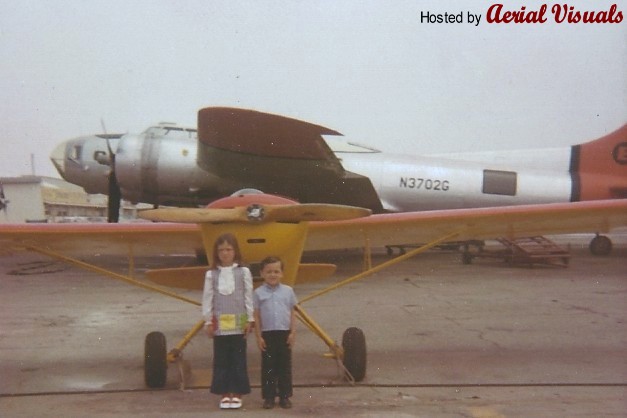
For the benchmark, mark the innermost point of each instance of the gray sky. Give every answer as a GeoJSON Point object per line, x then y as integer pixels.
{"type": "Point", "coordinates": [370, 69]}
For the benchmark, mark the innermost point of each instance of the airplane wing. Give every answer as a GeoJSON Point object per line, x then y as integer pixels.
{"type": "Point", "coordinates": [385, 229]}
{"type": "Point", "coordinates": [308, 171]}
{"type": "Point", "coordinates": [467, 224]}
{"type": "Point", "coordinates": [142, 239]}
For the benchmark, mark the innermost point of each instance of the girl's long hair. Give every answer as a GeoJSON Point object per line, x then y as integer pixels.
{"type": "Point", "coordinates": [230, 239]}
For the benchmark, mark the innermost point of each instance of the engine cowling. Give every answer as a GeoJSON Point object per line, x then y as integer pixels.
{"type": "Point", "coordinates": [159, 168]}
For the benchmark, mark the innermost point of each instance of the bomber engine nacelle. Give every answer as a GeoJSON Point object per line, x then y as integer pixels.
{"type": "Point", "coordinates": [159, 166]}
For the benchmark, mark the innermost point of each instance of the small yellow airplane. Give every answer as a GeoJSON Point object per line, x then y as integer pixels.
{"type": "Point", "coordinates": [272, 225]}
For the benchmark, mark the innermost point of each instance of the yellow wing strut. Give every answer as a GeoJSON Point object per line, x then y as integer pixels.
{"type": "Point", "coordinates": [105, 272]}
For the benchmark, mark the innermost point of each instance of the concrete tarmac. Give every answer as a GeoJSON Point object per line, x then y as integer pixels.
{"type": "Point", "coordinates": [444, 339]}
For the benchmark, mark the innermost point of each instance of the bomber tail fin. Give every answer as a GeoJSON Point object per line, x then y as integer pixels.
{"type": "Point", "coordinates": [599, 167]}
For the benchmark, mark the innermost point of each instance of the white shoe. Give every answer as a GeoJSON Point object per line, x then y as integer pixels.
{"type": "Point", "coordinates": [225, 403]}
{"type": "Point", "coordinates": [236, 403]}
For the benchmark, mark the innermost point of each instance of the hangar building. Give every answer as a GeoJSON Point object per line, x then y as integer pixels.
{"type": "Point", "coordinates": [48, 199]}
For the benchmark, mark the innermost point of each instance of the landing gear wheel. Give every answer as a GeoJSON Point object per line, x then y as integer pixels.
{"type": "Point", "coordinates": [155, 360]}
{"type": "Point", "coordinates": [466, 258]}
{"type": "Point", "coordinates": [354, 345]}
{"type": "Point", "coordinates": [600, 245]}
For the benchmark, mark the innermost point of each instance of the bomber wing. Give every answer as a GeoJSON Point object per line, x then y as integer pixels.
{"type": "Point", "coordinates": [278, 155]}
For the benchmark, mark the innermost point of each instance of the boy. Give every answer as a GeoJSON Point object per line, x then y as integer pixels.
{"type": "Point", "coordinates": [276, 319]}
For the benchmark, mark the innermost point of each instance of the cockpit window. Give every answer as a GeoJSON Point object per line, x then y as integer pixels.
{"type": "Point", "coordinates": [76, 153]}
{"type": "Point", "coordinates": [170, 131]}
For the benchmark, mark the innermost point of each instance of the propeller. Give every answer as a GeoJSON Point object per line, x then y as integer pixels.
{"type": "Point", "coordinates": [256, 213]}
{"type": "Point", "coordinates": [114, 200]}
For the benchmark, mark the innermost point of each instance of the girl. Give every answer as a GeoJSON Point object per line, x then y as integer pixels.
{"type": "Point", "coordinates": [227, 307]}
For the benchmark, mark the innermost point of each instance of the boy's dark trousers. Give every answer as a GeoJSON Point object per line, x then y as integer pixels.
{"type": "Point", "coordinates": [276, 365]}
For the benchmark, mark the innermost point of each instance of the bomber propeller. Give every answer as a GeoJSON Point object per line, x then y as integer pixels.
{"type": "Point", "coordinates": [114, 193]}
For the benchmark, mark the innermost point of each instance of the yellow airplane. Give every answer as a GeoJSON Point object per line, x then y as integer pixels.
{"type": "Point", "coordinates": [271, 225]}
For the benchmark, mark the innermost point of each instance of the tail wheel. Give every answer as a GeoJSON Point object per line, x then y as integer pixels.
{"type": "Point", "coordinates": [354, 345]}
{"type": "Point", "coordinates": [601, 245]}
{"type": "Point", "coordinates": [155, 360]}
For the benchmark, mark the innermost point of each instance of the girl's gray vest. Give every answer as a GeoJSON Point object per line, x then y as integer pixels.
{"type": "Point", "coordinates": [229, 310]}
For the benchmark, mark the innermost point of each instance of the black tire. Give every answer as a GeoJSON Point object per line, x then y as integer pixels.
{"type": "Point", "coordinates": [600, 245]}
{"type": "Point", "coordinates": [354, 345]}
{"type": "Point", "coordinates": [466, 258]}
{"type": "Point", "coordinates": [155, 360]}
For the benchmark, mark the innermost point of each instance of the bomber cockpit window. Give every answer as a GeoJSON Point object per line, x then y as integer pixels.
{"type": "Point", "coordinates": [76, 153]}
{"type": "Point", "coordinates": [170, 131]}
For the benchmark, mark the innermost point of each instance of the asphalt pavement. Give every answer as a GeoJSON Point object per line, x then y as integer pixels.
{"type": "Point", "coordinates": [443, 339]}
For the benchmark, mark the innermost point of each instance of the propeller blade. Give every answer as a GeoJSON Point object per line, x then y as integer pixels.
{"type": "Point", "coordinates": [313, 212]}
{"type": "Point", "coordinates": [114, 200]}
{"type": "Point", "coordinates": [193, 215]}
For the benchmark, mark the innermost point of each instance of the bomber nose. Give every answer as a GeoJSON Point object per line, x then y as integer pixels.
{"type": "Point", "coordinates": [58, 158]}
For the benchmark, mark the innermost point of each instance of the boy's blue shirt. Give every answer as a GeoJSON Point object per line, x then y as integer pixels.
{"type": "Point", "coordinates": [275, 306]}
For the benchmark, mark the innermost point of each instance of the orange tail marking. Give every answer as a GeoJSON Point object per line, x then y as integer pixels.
{"type": "Point", "coordinates": [599, 167]}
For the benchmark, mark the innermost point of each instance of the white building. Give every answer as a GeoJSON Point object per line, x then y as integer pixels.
{"type": "Point", "coordinates": [47, 199]}
{"type": "Point", "coordinates": [21, 200]}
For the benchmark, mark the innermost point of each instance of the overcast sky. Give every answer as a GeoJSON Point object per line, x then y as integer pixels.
{"type": "Point", "coordinates": [370, 69]}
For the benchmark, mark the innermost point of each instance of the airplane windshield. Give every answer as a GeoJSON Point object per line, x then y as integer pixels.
{"type": "Point", "coordinates": [340, 144]}
{"type": "Point", "coordinates": [169, 130]}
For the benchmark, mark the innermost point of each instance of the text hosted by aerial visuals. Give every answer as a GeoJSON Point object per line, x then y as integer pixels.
{"type": "Point", "coordinates": [596, 12]}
